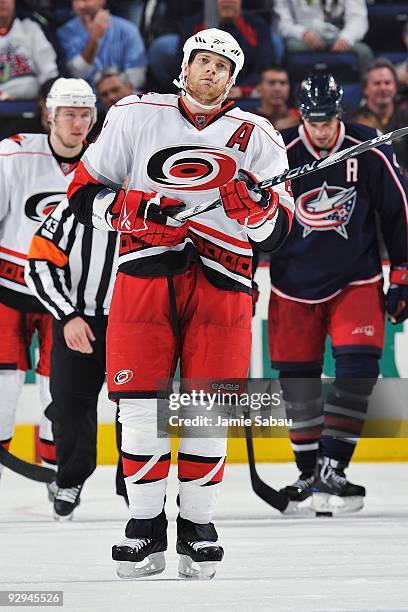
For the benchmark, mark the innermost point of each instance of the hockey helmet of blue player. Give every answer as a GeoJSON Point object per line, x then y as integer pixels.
{"type": "Point", "coordinates": [319, 97]}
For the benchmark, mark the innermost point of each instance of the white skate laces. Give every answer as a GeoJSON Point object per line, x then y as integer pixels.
{"type": "Point", "coordinates": [137, 544]}
{"type": "Point", "coordinates": [69, 495]}
{"type": "Point", "coordinates": [132, 565]}
{"type": "Point", "coordinates": [203, 544]}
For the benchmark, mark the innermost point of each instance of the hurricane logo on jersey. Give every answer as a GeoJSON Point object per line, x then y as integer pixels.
{"type": "Point", "coordinates": [39, 205]}
{"type": "Point", "coordinates": [326, 208]}
{"type": "Point", "coordinates": [191, 168]}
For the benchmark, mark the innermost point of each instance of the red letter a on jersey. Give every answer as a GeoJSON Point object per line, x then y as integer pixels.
{"type": "Point", "coordinates": [241, 136]}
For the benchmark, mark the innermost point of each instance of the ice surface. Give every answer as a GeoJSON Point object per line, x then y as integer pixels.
{"type": "Point", "coordinates": [357, 562]}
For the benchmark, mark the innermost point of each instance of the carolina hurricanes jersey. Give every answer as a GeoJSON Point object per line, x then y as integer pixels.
{"type": "Point", "coordinates": [32, 183]}
{"type": "Point", "coordinates": [333, 242]}
{"type": "Point", "coordinates": [155, 142]}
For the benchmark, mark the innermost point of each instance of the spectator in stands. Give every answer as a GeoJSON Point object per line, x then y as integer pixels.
{"type": "Point", "coordinates": [379, 107]}
{"type": "Point", "coordinates": [325, 26]}
{"type": "Point", "coordinates": [111, 86]}
{"type": "Point", "coordinates": [402, 68]}
{"type": "Point", "coordinates": [94, 40]}
{"type": "Point", "coordinates": [250, 31]}
{"type": "Point", "coordinates": [274, 90]}
{"type": "Point", "coordinates": [27, 59]}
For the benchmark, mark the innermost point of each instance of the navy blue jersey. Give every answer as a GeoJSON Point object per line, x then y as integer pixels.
{"type": "Point", "coordinates": [333, 242]}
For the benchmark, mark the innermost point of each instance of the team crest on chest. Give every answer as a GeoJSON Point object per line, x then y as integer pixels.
{"type": "Point", "coordinates": [191, 168]}
{"type": "Point", "coordinates": [39, 205]}
{"type": "Point", "coordinates": [326, 208]}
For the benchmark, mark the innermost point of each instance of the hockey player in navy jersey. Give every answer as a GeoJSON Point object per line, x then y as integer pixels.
{"type": "Point", "coordinates": [327, 280]}
{"type": "Point", "coordinates": [183, 289]}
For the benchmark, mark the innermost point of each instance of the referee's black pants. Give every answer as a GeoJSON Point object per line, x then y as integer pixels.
{"type": "Point", "coordinates": [75, 382]}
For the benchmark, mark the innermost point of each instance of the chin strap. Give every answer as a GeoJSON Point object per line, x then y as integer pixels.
{"type": "Point", "coordinates": [180, 84]}
{"type": "Point", "coordinates": [203, 106]}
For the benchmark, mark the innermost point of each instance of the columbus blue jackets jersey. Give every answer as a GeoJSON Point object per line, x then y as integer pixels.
{"type": "Point", "coordinates": [333, 242]}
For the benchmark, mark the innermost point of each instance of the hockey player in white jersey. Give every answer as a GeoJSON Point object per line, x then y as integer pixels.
{"type": "Point", "coordinates": [35, 171]}
{"type": "Point", "coordinates": [183, 290]}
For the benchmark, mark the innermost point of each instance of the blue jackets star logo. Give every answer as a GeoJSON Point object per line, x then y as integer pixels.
{"type": "Point", "coordinates": [326, 208]}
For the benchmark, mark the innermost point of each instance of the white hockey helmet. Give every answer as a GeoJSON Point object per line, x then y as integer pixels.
{"type": "Point", "coordinates": [216, 41]}
{"type": "Point", "coordinates": [71, 92]}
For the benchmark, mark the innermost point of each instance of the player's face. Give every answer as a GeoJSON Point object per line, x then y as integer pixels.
{"type": "Point", "coordinates": [85, 8]}
{"type": "Point", "coordinates": [274, 87]}
{"type": "Point", "coordinates": [207, 77]}
{"type": "Point", "coordinates": [7, 8]}
{"type": "Point", "coordinates": [229, 9]}
{"type": "Point", "coordinates": [71, 125]}
{"type": "Point", "coordinates": [381, 87]}
{"type": "Point", "coordinates": [322, 133]}
{"type": "Point", "coordinates": [111, 90]}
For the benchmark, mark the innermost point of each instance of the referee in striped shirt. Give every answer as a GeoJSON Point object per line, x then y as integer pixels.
{"type": "Point", "coordinates": [71, 269]}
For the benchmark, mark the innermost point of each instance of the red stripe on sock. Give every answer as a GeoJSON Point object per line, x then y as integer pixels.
{"type": "Point", "coordinates": [47, 451]}
{"type": "Point", "coordinates": [344, 424]}
{"type": "Point", "coordinates": [158, 471]}
{"type": "Point", "coordinates": [310, 435]}
{"type": "Point", "coordinates": [192, 470]}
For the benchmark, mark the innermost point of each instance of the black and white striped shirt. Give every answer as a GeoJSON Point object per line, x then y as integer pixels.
{"type": "Point", "coordinates": [72, 268]}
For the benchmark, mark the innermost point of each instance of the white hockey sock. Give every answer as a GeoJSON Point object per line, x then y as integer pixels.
{"type": "Point", "coordinates": [47, 446]}
{"type": "Point", "coordinates": [11, 384]}
{"type": "Point", "coordinates": [145, 457]}
{"type": "Point", "coordinates": [201, 462]}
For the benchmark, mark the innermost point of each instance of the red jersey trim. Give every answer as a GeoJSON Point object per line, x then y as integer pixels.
{"type": "Point", "coordinates": [220, 235]}
{"type": "Point", "coordinates": [14, 253]}
{"type": "Point", "coordinates": [81, 178]}
{"type": "Point", "coordinates": [208, 119]}
{"type": "Point", "coordinates": [26, 153]}
{"type": "Point", "coordinates": [148, 103]}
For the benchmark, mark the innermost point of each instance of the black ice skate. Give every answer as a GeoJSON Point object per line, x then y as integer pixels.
{"type": "Point", "coordinates": [198, 550]}
{"type": "Point", "coordinates": [298, 493]}
{"type": "Point", "coordinates": [139, 557]}
{"type": "Point", "coordinates": [332, 492]}
{"type": "Point", "coordinates": [141, 553]}
{"type": "Point", "coordinates": [65, 502]}
{"type": "Point", "coordinates": [198, 559]}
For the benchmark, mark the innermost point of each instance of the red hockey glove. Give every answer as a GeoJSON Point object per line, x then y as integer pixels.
{"type": "Point", "coordinates": [145, 215]}
{"type": "Point", "coordinates": [248, 207]}
{"type": "Point", "coordinates": [397, 295]}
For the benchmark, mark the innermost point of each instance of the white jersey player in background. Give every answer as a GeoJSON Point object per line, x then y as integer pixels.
{"type": "Point", "coordinates": [183, 291]}
{"type": "Point", "coordinates": [35, 171]}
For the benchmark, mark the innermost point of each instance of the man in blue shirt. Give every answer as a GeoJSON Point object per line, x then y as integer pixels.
{"type": "Point", "coordinates": [94, 39]}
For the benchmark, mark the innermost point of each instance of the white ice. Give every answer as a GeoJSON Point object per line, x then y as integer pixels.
{"type": "Point", "coordinates": [356, 562]}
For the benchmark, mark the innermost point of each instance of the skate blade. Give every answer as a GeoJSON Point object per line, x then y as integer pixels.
{"type": "Point", "coordinates": [63, 519]}
{"type": "Point", "coordinates": [295, 508]}
{"type": "Point", "coordinates": [193, 570]}
{"type": "Point", "coordinates": [154, 563]}
{"type": "Point", "coordinates": [328, 505]}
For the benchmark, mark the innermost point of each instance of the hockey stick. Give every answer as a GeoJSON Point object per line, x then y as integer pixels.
{"type": "Point", "coordinates": [269, 495]}
{"type": "Point", "coordinates": [294, 173]}
{"type": "Point", "coordinates": [29, 470]}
